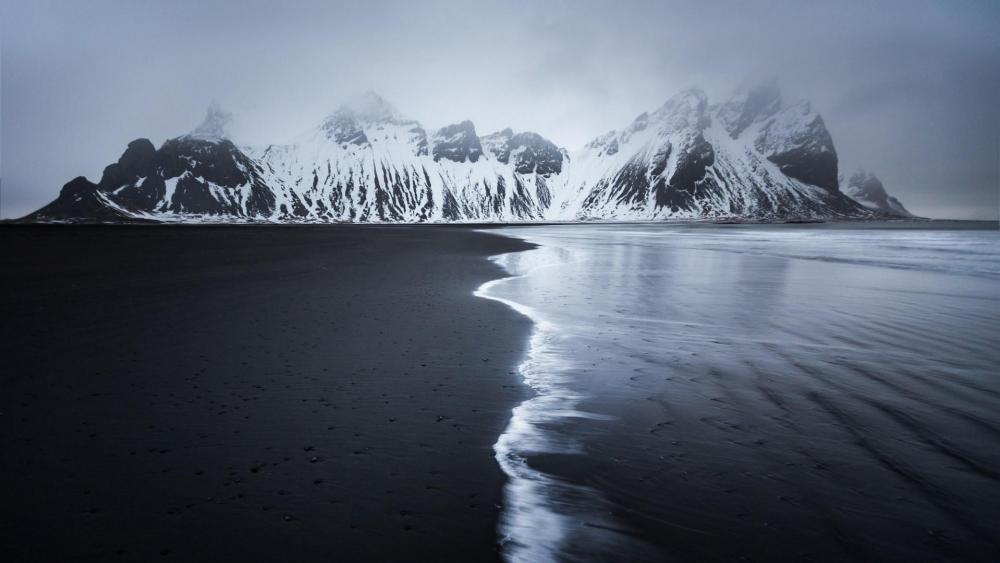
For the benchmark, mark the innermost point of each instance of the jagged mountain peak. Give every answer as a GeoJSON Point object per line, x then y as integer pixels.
{"type": "Point", "coordinates": [797, 140]}
{"type": "Point", "coordinates": [790, 134]}
{"type": "Point", "coordinates": [528, 151]}
{"type": "Point", "coordinates": [215, 125]}
{"type": "Point", "coordinates": [761, 105]}
{"type": "Point", "coordinates": [686, 109]}
{"type": "Point", "coordinates": [862, 174]}
{"type": "Point", "coordinates": [142, 148]}
{"type": "Point", "coordinates": [81, 201]}
{"type": "Point", "coordinates": [466, 126]}
{"type": "Point", "coordinates": [691, 98]}
{"type": "Point", "coordinates": [750, 104]}
{"type": "Point", "coordinates": [684, 112]}
{"type": "Point", "coordinates": [365, 163]}
{"type": "Point", "coordinates": [496, 143]}
{"type": "Point", "coordinates": [342, 127]}
{"type": "Point", "coordinates": [138, 158]}
{"type": "Point", "coordinates": [866, 188]}
{"type": "Point", "coordinates": [347, 125]}
{"type": "Point", "coordinates": [457, 142]}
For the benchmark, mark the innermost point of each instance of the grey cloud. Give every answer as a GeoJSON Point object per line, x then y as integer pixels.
{"type": "Point", "coordinates": [908, 88]}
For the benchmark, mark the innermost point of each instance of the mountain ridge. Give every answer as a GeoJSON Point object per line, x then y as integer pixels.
{"type": "Point", "coordinates": [753, 157]}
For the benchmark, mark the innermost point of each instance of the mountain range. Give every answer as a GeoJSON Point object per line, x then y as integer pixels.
{"type": "Point", "coordinates": [755, 156]}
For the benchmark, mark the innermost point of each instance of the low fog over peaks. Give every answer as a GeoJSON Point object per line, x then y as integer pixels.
{"type": "Point", "coordinates": [900, 85]}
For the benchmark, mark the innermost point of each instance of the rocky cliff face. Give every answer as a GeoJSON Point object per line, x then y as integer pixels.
{"type": "Point", "coordinates": [390, 169]}
{"type": "Point", "coordinates": [789, 135]}
{"type": "Point", "coordinates": [755, 156]}
{"type": "Point", "coordinates": [81, 200]}
{"type": "Point", "coordinates": [187, 178]}
{"type": "Point", "coordinates": [457, 143]}
{"type": "Point", "coordinates": [865, 188]}
{"type": "Point", "coordinates": [527, 152]}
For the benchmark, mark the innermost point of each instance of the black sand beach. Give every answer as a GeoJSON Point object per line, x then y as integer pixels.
{"type": "Point", "coordinates": [253, 393]}
{"type": "Point", "coordinates": [705, 393]}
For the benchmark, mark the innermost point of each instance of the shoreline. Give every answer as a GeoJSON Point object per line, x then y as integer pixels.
{"type": "Point", "coordinates": [534, 523]}
{"type": "Point", "coordinates": [879, 222]}
{"type": "Point", "coordinates": [523, 503]}
{"type": "Point", "coordinates": [673, 416]}
{"type": "Point", "coordinates": [529, 529]}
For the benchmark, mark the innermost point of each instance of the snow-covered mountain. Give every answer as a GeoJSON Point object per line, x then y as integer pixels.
{"type": "Point", "coordinates": [754, 156]}
{"type": "Point", "coordinates": [866, 189]}
{"type": "Point", "coordinates": [365, 162]}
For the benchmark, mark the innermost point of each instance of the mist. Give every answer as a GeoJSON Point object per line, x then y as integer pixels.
{"type": "Point", "coordinates": [908, 89]}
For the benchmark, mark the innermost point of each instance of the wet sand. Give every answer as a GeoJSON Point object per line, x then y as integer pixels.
{"type": "Point", "coordinates": [760, 393]}
{"type": "Point", "coordinates": [253, 393]}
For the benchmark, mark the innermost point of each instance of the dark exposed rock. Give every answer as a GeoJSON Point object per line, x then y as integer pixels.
{"type": "Point", "coordinates": [80, 201]}
{"type": "Point", "coordinates": [498, 144]}
{"type": "Point", "coordinates": [141, 196]}
{"type": "Point", "coordinates": [802, 150]}
{"type": "Point", "coordinates": [217, 162]}
{"type": "Point", "coordinates": [691, 166]}
{"type": "Point", "coordinates": [136, 162]}
{"type": "Point", "coordinates": [528, 152]}
{"type": "Point", "coordinates": [867, 189]}
{"type": "Point", "coordinates": [458, 143]}
{"type": "Point", "coordinates": [206, 175]}
{"type": "Point", "coordinates": [342, 127]}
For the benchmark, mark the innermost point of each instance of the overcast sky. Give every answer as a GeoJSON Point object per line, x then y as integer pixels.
{"type": "Point", "coordinates": [909, 89]}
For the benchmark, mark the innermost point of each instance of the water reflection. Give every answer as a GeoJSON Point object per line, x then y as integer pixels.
{"type": "Point", "coordinates": [786, 387]}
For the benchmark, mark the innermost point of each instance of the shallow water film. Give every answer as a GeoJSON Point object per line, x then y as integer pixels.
{"type": "Point", "coordinates": [716, 392]}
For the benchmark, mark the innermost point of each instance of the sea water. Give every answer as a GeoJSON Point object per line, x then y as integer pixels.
{"type": "Point", "coordinates": [710, 391]}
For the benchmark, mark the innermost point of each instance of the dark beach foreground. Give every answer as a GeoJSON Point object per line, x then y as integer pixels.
{"type": "Point", "coordinates": [253, 393]}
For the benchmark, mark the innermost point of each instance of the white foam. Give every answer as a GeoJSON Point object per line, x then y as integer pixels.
{"type": "Point", "coordinates": [532, 529]}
